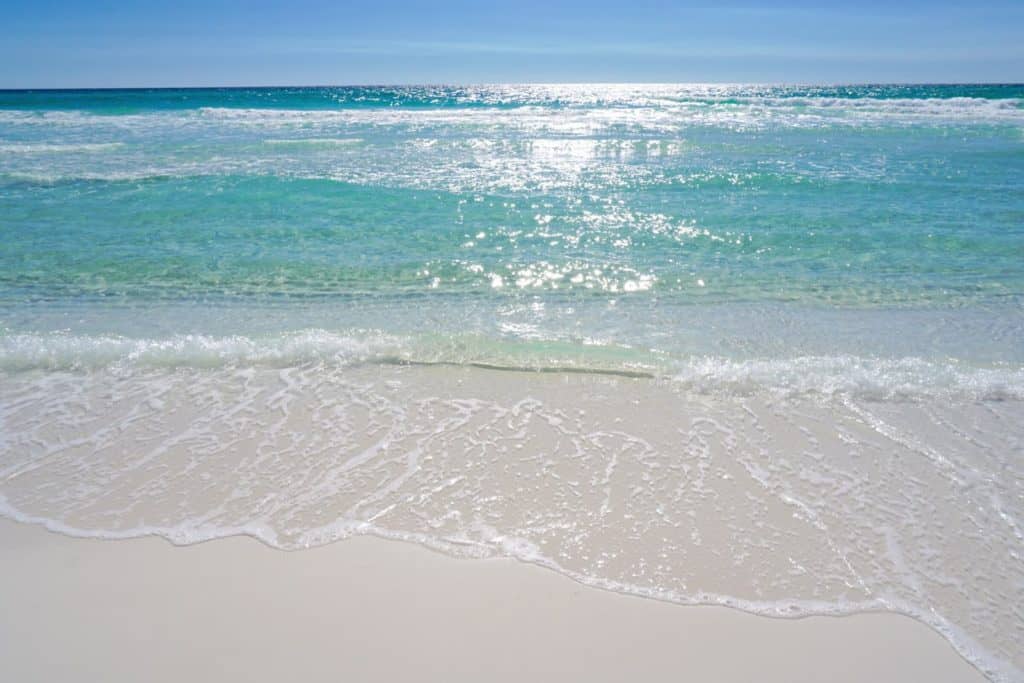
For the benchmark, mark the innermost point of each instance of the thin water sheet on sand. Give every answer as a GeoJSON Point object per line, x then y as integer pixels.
{"type": "Point", "coordinates": [786, 505]}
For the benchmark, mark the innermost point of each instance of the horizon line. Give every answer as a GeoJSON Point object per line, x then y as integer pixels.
{"type": "Point", "coordinates": [481, 84]}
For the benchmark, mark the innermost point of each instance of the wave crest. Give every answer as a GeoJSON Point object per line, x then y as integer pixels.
{"type": "Point", "coordinates": [878, 378]}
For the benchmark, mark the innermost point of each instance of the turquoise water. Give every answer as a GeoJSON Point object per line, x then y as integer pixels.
{"type": "Point", "coordinates": [648, 228]}
{"type": "Point", "coordinates": [216, 306]}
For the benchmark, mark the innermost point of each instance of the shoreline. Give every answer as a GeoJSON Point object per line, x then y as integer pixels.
{"type": "Point", "coordinates": [788, 508]}
{"type": "Point", "coordinates": [143, 608]}
{"type": "Point", "coordinates": [743, 351]}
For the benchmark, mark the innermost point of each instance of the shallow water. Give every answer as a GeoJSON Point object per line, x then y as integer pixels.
{"type": "Point", "coordinates": [797, 313]}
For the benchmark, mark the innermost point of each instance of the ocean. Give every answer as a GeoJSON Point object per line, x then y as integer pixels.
{"type": "Point", "coordinates": [760, 346]}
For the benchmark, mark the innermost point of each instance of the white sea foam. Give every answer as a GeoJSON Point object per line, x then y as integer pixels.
{"type": "Point", "coordinates": [57, 148]}
{"type": "Point", "coordinates": [584, 117]}
{"type": "Point", "coordinates": [591, 143]}
{"type": "Point", "coordinates": [865, 377]}
{"type": "Point", "coordinates": [785, 506]}
{"type": "Point", "coordinates": [754, 114]}
{"type": "Point", "coordinates": [20, 352]}
{"type": "Point", "coordinates": [190, 533]}
{"type": "Point", "coordinates": [313, 142]}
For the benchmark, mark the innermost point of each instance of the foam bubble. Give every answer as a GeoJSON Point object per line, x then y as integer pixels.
{"type": "Point", "coordinates": [865, 377]}
{"type": "Point", "coordinates": [20, 352]}
{"type": "Point", "coordinates": [877, 378]}
{"type": "Point", "coordinates": [786, 505]}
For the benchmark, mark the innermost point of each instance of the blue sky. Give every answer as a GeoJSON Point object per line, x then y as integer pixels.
{"type": "Point", "coordinates": [67, 43]}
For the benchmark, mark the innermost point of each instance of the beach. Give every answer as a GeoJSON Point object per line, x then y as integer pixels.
{"type": "Point", "coordinates": [764, 500]}
{"type": "Point", "coordinates": [712, 381]}
{"type": "Point", "coordinates": [378, 610]}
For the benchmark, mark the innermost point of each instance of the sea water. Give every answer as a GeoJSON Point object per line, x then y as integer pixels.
{"type": "Point", "coordinates": [780, 332]}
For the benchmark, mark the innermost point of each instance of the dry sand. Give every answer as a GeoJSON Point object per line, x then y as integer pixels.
{"type": "Point", "coordinates": [369, 609]}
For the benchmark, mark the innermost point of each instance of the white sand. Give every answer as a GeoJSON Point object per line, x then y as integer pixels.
{"type": "Point", "coordinates": [369, 609]}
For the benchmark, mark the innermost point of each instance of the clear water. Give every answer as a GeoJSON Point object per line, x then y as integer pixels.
{"type": "Point", "coordinates": [851, 254]}
{"type": "Point", "coordinates": [539, 225]}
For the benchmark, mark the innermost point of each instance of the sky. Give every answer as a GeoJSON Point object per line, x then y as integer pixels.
{"type": "Point", "coordinates": [120, 43]}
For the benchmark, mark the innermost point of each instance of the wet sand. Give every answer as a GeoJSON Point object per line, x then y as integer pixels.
{"type": "Point", "coordinates": [371, 609]}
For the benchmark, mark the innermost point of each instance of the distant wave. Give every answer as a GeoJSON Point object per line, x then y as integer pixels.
{"type": "Point", "coordinates": [313, 142]}
{"type": "Point", "coordinates": [661, 115]}
{"type": "Point", "coordinates": [645, 110]}
{"type": "Point", "coordinates": [54, 148]}
{"type": "Point", "coordinates": [113, 176]}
